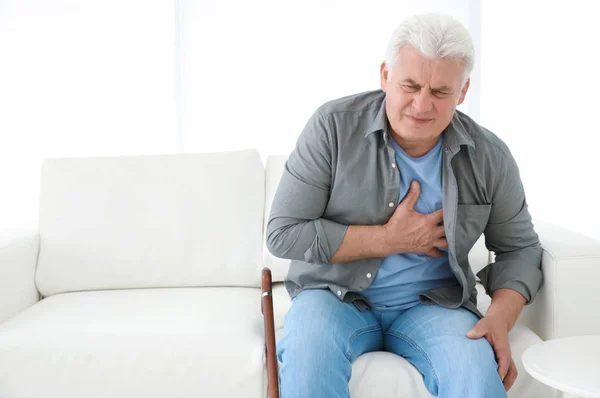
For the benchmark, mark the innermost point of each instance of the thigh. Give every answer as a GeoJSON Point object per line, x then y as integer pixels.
{"type": "Point", "coordinates": [434, 339]}
{"type": "Point", "coordinates": [322, 337]}
{"type": "Point", "coordinates": [318, 321]}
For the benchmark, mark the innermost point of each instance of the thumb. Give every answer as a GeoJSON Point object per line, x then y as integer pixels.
{"type": "Point", "coordinates": [476, 332]}
{"type": "Point", "coordinates": [413, 194]}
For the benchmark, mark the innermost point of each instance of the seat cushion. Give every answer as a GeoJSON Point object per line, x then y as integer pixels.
{"type": "Point", "coordinates": [383, 374]}
{"type": "Point", "coordinates": [188, 342]}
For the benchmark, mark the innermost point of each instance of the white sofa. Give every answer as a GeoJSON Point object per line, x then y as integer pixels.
{"type": "Point", "coordinates": [143, 280]}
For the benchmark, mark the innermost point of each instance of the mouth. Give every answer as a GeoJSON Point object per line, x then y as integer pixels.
{"type": "Point", "coordinates": [418, 120]}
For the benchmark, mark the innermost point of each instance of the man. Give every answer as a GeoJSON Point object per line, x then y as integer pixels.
{"type": "Point", "coordinates": [378, 206]}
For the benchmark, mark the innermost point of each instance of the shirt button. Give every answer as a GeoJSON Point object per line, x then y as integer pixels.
{"type": "Point", "coordinates": [369, 275]}
{"type": "Point", "coordinates": [339, 293]}
{"type": "Point", "coordinates": [393, 165]}
{"type": "Point", "coordinates": [391, 204]}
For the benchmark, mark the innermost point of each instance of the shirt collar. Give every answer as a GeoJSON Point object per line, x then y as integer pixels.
{"type": "Point", "coordinates": [379, 121]}
{"type": "Point", "coordinates": [455, 134]}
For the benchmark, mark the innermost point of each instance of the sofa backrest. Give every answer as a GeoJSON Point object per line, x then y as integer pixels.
{"type": "Point", "coordinates": [478, 256]}
{"type": "Point", "coordinates": [150, 221]}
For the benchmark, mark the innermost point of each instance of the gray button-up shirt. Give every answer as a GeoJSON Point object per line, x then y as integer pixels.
{"type": "Point", "coordinates": [340, 173]}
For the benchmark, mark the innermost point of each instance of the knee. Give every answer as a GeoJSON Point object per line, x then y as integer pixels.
{"type": "Point", "coordinates": [474, 371]}
{"type": "Point", "coordinates": [479, 359]}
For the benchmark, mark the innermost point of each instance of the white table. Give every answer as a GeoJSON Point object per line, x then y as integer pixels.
{"type": "Point", "coordinates": [570, 364]}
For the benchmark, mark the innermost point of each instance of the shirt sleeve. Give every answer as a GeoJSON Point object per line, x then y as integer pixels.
{"type": "Point", "coordinates": [510, 234]}
{"type": "Point", "coordinates": [296, 228]}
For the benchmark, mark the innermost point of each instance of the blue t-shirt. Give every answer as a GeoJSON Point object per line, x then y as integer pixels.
{"type": "Point", "coordinates": [402, 277]}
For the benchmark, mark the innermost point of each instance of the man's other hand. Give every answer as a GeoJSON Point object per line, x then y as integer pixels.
{"type": "Point", "coordinates": [495, 331]}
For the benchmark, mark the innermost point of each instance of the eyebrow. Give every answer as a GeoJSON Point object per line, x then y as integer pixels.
{"type": "Point", "coordinates": [413, 83]}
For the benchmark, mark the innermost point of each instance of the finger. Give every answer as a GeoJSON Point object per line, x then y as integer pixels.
{"type": "Point", "coordinates": [437, 216]}
{"type": "Point", "coordinates": [511, 376]}
{"type": "Point", "coordinates": [504, 361]}
{"type": "Point", "coordinates": [435, 253]}
{"type": "Point", "coordinates": [440, 231]}
{"type": "Point", "coordinates": [441, 243]}
{"type": "Point", "coordinates": [412, 195]}
{"type": "Point", "coordinates": [476, 331]}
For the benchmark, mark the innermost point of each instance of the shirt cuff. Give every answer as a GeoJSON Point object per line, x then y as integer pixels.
{"type": "Point", "coordinates": [525, 279]}
{"type": "Point", "coordinates": [329, 237]}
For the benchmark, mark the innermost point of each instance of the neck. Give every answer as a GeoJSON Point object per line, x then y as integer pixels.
{"type": "Point", "coordinates": [415, 149]}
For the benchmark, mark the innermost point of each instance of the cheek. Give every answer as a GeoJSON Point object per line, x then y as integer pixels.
{"type": "Point", "coordinates": [400, 103]}
{"type": "Point", "coordinates": [446, 108]}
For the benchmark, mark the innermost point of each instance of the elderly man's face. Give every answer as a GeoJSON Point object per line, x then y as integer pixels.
{"type": "Point", "coordinates": [421, 96]}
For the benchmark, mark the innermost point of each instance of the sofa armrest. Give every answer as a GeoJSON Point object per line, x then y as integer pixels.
{"type": "Point", "coordinates": [566, 304]}
{"type": "Point", "coordinates": [18, 260]}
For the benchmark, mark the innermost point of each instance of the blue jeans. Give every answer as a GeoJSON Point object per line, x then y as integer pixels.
{"type": "Point", "coordinates": [324, 335]}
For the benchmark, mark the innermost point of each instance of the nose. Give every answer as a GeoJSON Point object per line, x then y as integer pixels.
{"type": "Point", "coordinates": [422, 102]}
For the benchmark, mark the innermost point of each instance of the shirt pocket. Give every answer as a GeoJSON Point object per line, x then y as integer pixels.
{"type": "Point", "coordinates": [471, 221]}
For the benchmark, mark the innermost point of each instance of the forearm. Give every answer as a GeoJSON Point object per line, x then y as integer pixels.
{"type": "Point", "coordinates": [507, 305]}
{"type": "Point", "coordinates": [360, 242]}
{"type": "Point", "coordinates": [324, 241]}
{"type": "Point", "coordinates": [313, 241]}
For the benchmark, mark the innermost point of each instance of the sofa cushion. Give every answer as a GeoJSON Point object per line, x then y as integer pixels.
{"type": "Point", "coordinates": [151, 221]}
{"type": "Point", "coordinates": [478, 256]}
{"type": "Point", "coordinates": [189, 342]}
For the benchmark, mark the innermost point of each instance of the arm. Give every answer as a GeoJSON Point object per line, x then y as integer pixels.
{"type": "Point", "coordinates": [296, 228]}
{"type": "Point", "coordinates": [362, 241]}
{"type": "Point", "coordinates": [18, 259]}
{"type": "Point", "coordinates": [506, 304]}
{"type": "Point", "coordinates": [571, 267]}
{"type": "Point", "coordinates": [511, 236]}
{"type": "Point", "coordinates": [515, 277]}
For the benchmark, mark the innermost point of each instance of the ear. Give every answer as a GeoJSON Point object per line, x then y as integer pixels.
{"type": "Point", "coordinates": [383, 75]}
{"type": "Point", "coordinates": [464, 90]}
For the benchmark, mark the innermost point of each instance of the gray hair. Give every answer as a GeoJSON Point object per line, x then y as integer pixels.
{"type": "Point", "coordinates": [435, 36]}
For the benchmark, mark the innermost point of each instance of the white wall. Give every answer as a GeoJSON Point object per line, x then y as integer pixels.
{"type": "Point", "coordinates": [83, 78]}
{"type": "Point", "coordinates": [254, 71]}
{"type": "Point", "coordinates": [539, 93]}
{"type": "Point", "coordinates": [80, 78]}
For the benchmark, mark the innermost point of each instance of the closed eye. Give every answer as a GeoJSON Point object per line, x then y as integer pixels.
{"type": "Point", "coordinates": [410, 89]}
{"type": "Point", "coordinates": [440, 94]}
